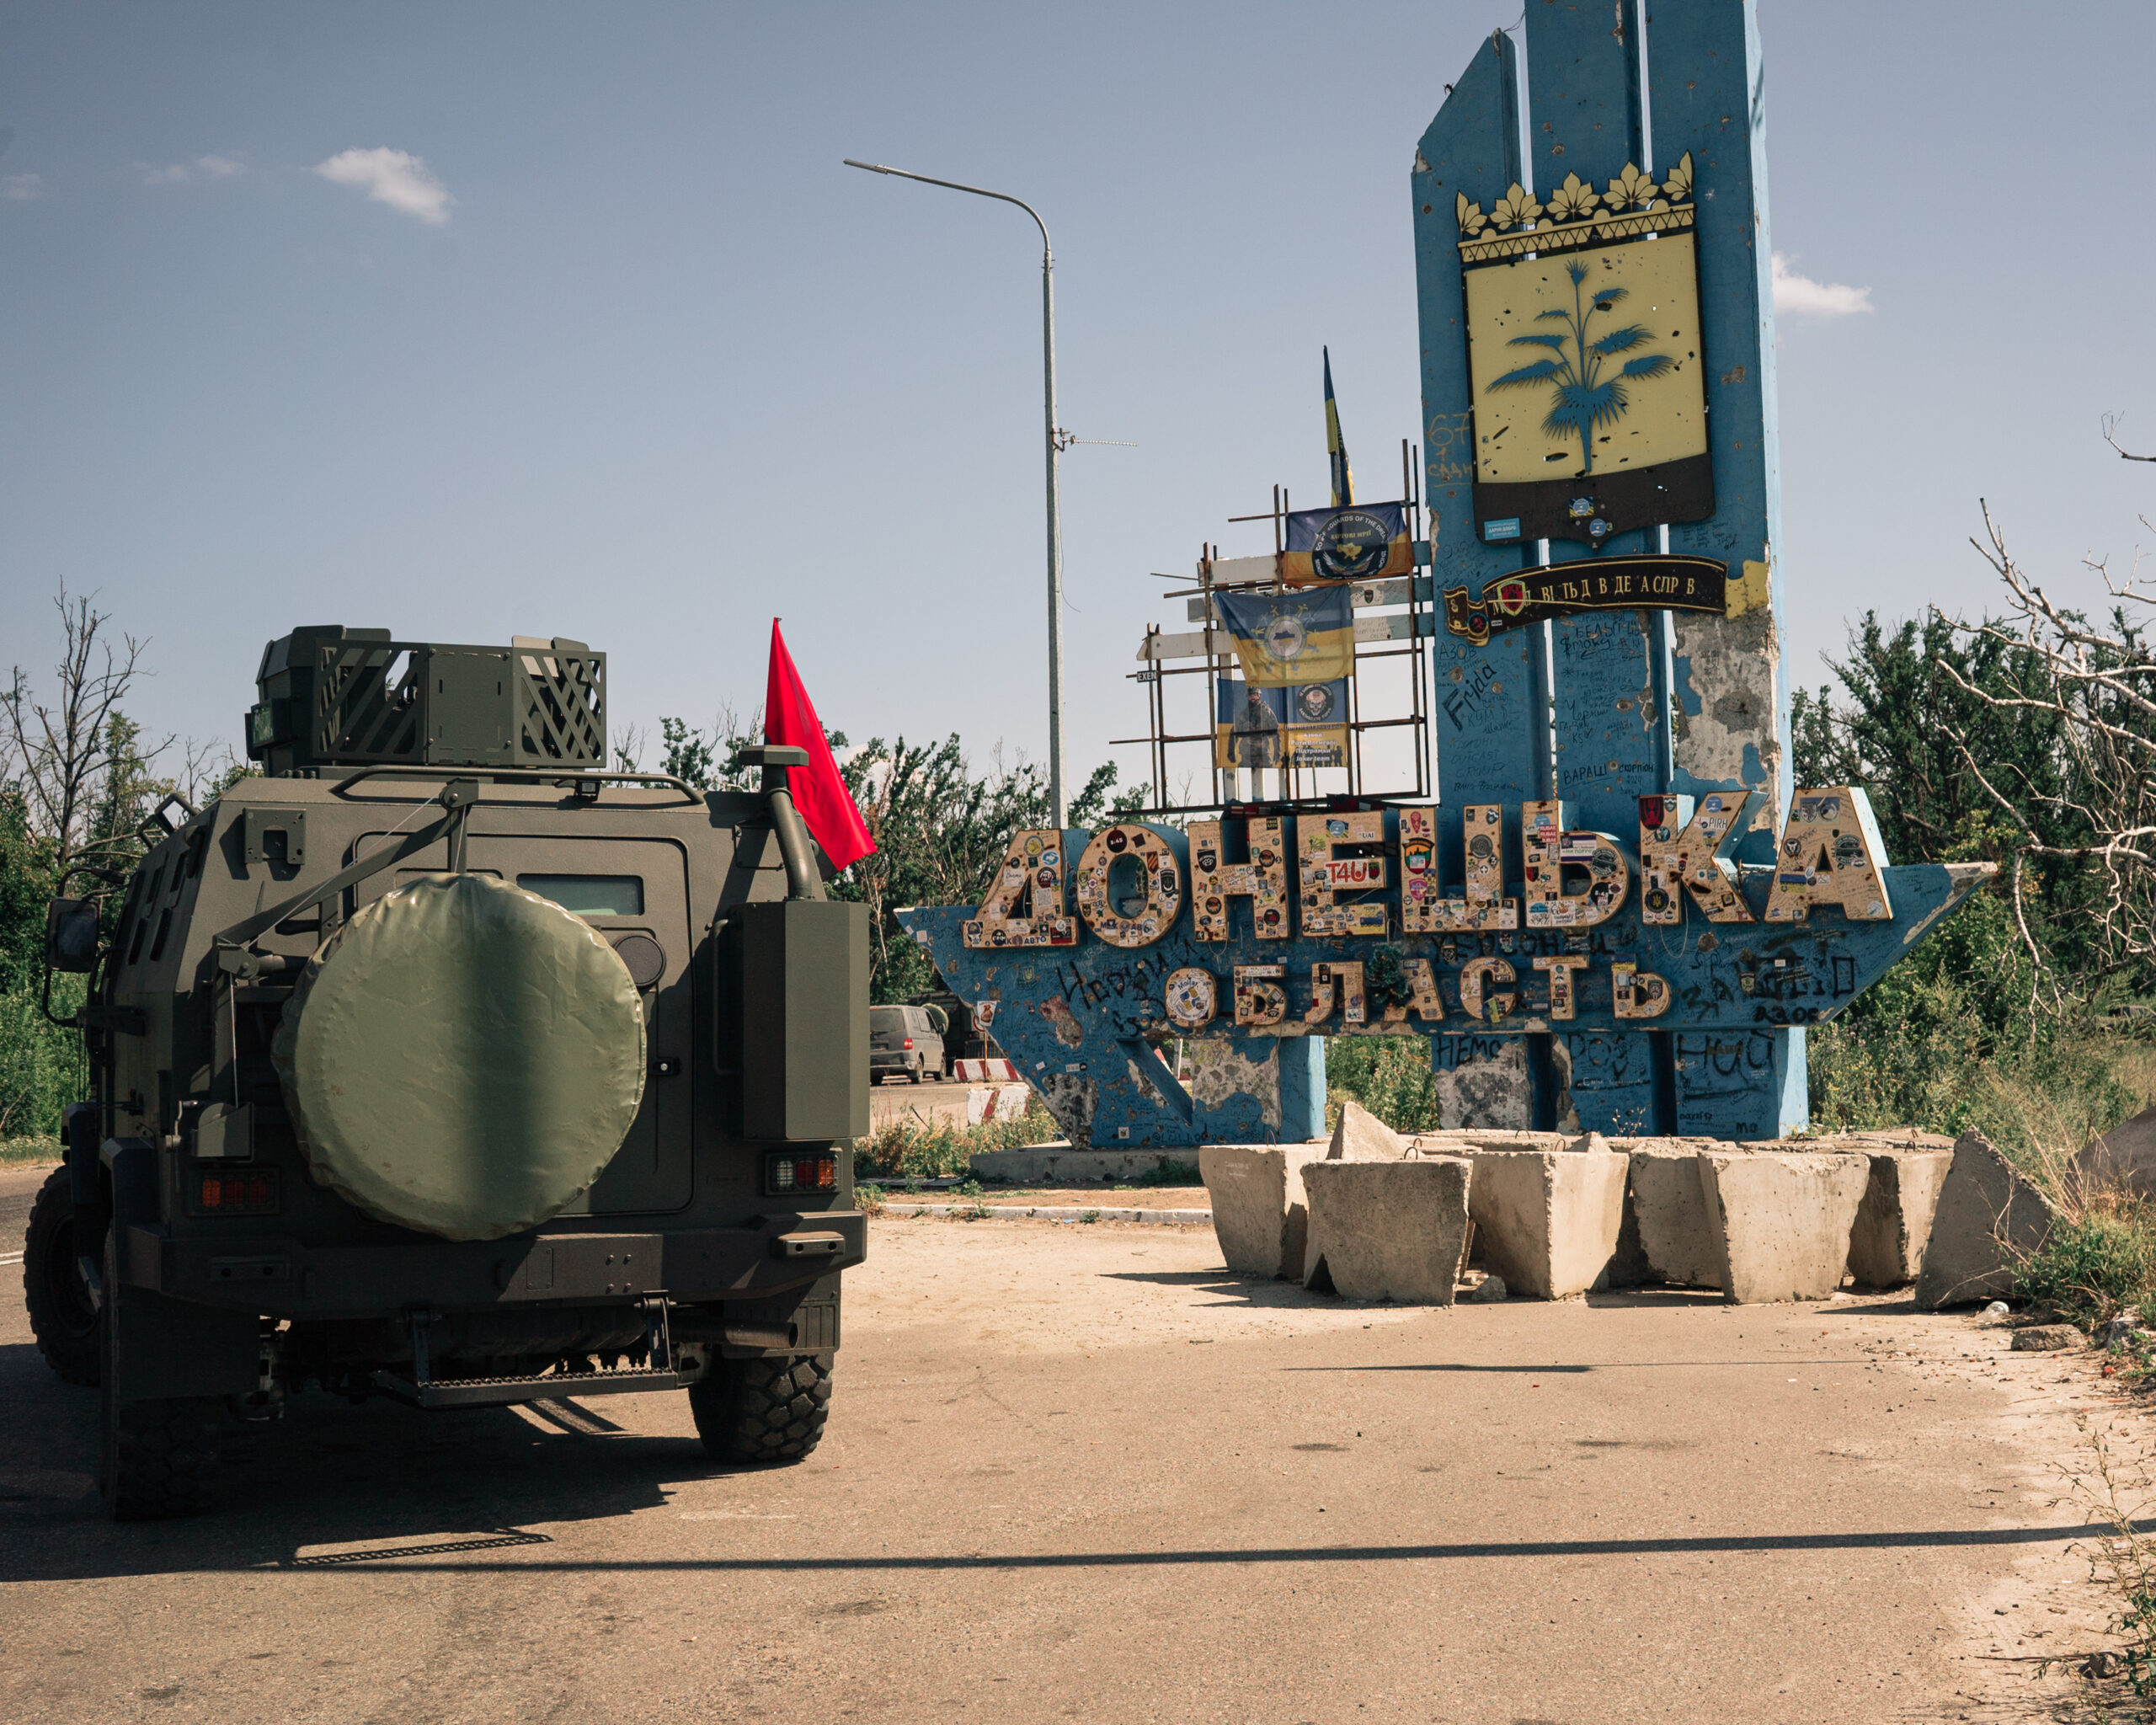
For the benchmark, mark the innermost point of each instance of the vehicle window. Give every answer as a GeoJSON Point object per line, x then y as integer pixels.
{"type": "Point", "coordinates": [589, 894]}
{"type": "Point", "coordinates": [887, 1018]}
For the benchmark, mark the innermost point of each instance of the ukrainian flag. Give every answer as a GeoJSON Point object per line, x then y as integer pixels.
{"type": "Point", "coordinates": [1304, 635]}
{"type": "Point", "coordinates": [1343, 476]}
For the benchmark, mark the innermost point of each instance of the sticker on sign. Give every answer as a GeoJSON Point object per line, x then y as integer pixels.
{"type": "Point", "coordinates": [1344, 873]}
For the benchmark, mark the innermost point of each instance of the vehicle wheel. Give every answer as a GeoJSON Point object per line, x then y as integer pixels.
{"type": "Point", "coordinates": [63, 1318]}
{"type": "Point", "coordinates": [158, 1456]}
{"type": "Point", "coordinates": [763, 1410]}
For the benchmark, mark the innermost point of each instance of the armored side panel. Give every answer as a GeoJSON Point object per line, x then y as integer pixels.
{"type": "Point", "coordinates": [800, 1013]}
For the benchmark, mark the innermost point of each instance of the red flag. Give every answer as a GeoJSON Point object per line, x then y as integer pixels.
{"type": "Point", "coordinates": [819, 793]}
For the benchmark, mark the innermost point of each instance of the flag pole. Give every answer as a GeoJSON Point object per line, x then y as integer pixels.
{"type": "Point", "coordinates": [1059, 812]}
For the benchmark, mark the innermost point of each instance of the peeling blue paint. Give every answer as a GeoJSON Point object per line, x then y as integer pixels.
{"type": "Point", "coordinates": [1087, 1024]}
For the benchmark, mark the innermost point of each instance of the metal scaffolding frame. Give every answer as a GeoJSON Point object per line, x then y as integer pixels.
{"type": "Point", "coordinates": [1413, 631]}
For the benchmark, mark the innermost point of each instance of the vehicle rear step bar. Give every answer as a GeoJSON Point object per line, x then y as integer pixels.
{"type": "Point", "coordinates": [422, 1389]}
{"type": "Point", "coordinates": [497, 1392]}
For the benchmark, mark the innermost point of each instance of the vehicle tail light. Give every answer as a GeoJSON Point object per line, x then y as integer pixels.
{"type": "Point", "coordinates": [908, 1042]}
{"type": "Point", "coordinates": [232, 1192]}
{"type": "Point", "coordinates": [812, 1172]}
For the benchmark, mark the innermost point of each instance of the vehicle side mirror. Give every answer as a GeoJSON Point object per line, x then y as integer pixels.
{"type": "Point", "coordinates": [71, 934]}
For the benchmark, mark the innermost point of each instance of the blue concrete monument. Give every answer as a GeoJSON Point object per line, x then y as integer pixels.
{"type": "Point", "coordinates": [1620, 913]}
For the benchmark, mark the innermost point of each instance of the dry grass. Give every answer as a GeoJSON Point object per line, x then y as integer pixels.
{"type": "Point", "coordinates": [2116, 1496]}
{"type": "Point", "coordinates": [2046, 1126]}
{"type": "Point", "coordinates": [902, 1149]}
{"type": "Point", "coordinates": [2099, 1260]}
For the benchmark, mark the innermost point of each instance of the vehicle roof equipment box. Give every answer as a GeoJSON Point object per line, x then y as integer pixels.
{"type": "Point", "coordinates": [331, 696]}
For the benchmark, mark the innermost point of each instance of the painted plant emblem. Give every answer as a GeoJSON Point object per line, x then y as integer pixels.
{"type": "Point", "coordinates": [1587, 373]}
{"type": "Point", "coordinates": [1583, 352]}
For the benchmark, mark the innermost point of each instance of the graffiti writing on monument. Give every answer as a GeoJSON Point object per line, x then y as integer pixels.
{"type": "Point", "coordinates": [1574, 925]}
{"type": "Point", "coordinates": [1532, 945]}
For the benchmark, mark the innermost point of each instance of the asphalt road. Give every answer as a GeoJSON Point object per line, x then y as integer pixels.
{"type": "Point", "coordinates": [1083, 1473]}
{"type": "Point", "coordinates": [18, 1185]}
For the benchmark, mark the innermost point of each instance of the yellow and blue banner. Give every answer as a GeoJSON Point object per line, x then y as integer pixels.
{"type": "Point", "coordinates": [1355, 544]}
{"type": "Point", "coordinates": [1300, 636]}
{"type": "Point", "coordinates": [1335, 447]}
{"type": "Point", "coordinates": [1298, 724]}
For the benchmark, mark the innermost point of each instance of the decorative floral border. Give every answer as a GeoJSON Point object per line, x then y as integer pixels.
{"type": "Point", "coordinates": [1576, 215]}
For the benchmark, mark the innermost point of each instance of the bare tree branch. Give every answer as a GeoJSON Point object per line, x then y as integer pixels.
{"type": "Point", "coordinates": [2093, 689]}
{"type": "Point", "coordinates": [2110, 424]}
{"type": "Point", "coordinates": [63, 755]}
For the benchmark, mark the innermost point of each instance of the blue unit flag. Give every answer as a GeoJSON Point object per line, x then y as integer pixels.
{"type": "Point", "coordinates": [1363, 543]}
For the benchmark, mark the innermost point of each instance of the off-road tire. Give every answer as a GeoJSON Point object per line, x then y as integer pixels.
{"type": "Point", "coordinates": [63, 1318]}
{"type": "Point", "coordinates": [763, 1410]}
{"type": "Point", "coordinates": [161, 1457]}
{"type": "Point", "coordinates": [158, 1458]}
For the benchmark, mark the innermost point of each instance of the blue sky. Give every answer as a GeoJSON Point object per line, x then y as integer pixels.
{"type": "Point", "coordinates": [485, 320]}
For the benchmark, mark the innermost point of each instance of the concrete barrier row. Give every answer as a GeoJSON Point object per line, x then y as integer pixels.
{"type": "Point", "coordinates": [1054, 1213]}
{"type": "Point", "coordinates": [1376, 1217]}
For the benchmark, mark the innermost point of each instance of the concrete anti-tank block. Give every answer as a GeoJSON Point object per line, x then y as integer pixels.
{"type": "Point", "coordinates": [1547, 1222]}
{"type": "Point", "coordinates": [1465, 1140]}
{"type": "Point", "coordinates": [1389, 1231]}
{"type": "Point", "coordinates": [1049, 1164]}
{"type": "Point", "coordinates": [1679, 1235]}
{"type": "Point", "coordinates": [1260, 1213]}
{"type": "Point", "coordinates": [1894, 1221]}
{"type": "Point", "coordinates": [1783, 1219]}
{"type": "Point", "coordinates": [2124, 1157]}
{"type": "Point", "coordinates": [1362, 1137]}
{"type": "Point", "coordinates": [1988, 1218]}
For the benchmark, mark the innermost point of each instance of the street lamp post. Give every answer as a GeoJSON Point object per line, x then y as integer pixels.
{"type": "Point", "coordinates": [1058, 811]}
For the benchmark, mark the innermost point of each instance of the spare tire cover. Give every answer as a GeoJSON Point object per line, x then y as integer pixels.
{"type": "Point", "coordinates": [462, 1057]}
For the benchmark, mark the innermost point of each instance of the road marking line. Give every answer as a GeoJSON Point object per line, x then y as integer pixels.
{"type": "Point", "coordinates": [733, 1516]}
{"type": "Point", "coordinates": [8, 1257]}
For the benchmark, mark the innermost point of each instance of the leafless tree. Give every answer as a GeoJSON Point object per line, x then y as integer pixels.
{"type": "Point", "coordinates": [71, 759]}
{"type": "Point", "coordinates": [2093, 687]}
{"type": "Point", "coordinates": [205, 769]}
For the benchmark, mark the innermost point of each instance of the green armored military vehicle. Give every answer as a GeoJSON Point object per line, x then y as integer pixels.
{"type": "Point", "coordinates": [439, 1063]}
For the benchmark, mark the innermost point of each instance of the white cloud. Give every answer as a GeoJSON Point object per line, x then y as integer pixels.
{"type": "Point", "coordinates": [21, 188]}
{"type": "Point", "coordinates": [1799, 296]}
{"type": "Point", "coordinates": [396, 178]}
{"type": "Point", "coordinates": [183, 172]}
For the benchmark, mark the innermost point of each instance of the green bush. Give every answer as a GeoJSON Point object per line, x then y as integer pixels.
{"type": "Point", "coordinates": [41, 1069]}
{"type": "Point", "coordinates": [2095, 1265]}
{"type": "Point", "coordinates": [1390, 1075]}
{"type": "Point", "coordinates": [1938, 1068]}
